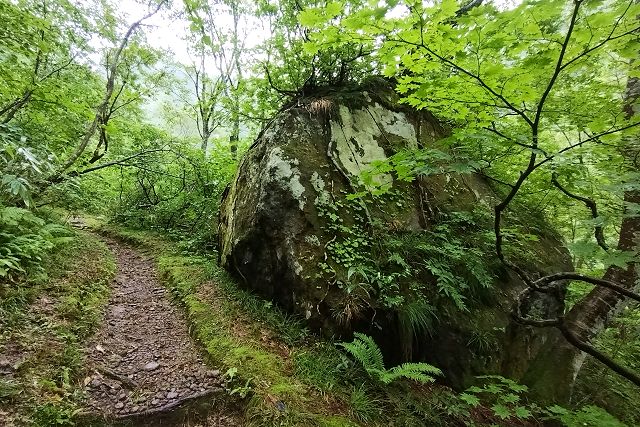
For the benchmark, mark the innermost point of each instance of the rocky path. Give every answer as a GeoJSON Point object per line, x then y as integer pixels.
{"type": "Point", "coordinates": [142, 362]}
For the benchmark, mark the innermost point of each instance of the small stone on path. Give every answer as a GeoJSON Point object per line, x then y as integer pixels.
{"type": "Point", "coordinates": [151, 366]}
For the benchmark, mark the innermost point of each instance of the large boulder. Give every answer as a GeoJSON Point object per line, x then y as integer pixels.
{"type": "Point", "coordinates": [290, 231]}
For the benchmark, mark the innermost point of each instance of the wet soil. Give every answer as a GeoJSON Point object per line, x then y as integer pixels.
{"type": "Point", "coordinates": [142, 365]}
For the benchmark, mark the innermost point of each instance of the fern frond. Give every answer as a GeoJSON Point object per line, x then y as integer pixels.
{"type": "Point", "coordinates": [374, 355]}
{"type": "Point", "coordinates": [357, 350]}
{"type": "Point", "coordinates": [421, 372]}
{"type": "Point", "coordinates": [421, 367]}
{"type": "Point", "coordinates": [365, 350]}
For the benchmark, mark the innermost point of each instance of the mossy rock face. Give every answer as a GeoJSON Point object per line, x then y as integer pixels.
{"type": "Point", "coordinates": [279, 216]}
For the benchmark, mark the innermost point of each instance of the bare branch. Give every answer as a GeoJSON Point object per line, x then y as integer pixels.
{"type": "Point", "coordinates": [543, 283]}
{"type": "Point", "coordinates": [573, 339]}
{"type": "Point", "coordinates": [599, 232]}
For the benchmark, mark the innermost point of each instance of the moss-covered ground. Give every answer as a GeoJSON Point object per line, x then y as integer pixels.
{"type": "Point", "coordinates": [43, 322]}
{"type": "Point", "coordinates": [289, 376]}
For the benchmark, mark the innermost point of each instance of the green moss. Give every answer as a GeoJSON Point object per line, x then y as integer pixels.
{"type": "Point", "coordinates": [295, 379]}
{"type": "Point", "coordinates": [49, 318]}
{"type": "Point", "coordinates": [337, 422]}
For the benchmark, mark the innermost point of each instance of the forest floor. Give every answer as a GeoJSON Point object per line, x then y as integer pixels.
{"type": "Point", "coordinates": [269, 360]}
{"type": "Point", "coordinates": [97, 340]}
{"type": "Point", "coordinates": [142, 360]}
{"type": "Point", "coordinates": [130, 328]}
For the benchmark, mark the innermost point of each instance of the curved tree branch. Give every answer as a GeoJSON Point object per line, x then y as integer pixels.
{"type": "Point", "coordinates": [543, 283]}
{"type": "Point", "coordinates": [104, 105]}
{"type": "Point", "coordinates": [599, 232]}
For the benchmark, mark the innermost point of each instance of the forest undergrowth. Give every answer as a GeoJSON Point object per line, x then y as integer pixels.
{"type": "Point", "coordinates": [289, 376]}
{"type": "Point", "coordinates": [44, 321]}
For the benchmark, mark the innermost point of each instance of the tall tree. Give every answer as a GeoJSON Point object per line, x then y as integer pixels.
{"type": "Point", "coordinates": [554, 373]}
{"type": "Point", "coordinates": [522, 90]}
{"type": "Point", "coordinates": [110, 97]}
{"type": "Point", "coordinates": [218, 28]}
{"type": "Point", "coordinates": [209, 91]}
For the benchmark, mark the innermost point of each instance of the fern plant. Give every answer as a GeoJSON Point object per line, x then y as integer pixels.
{"type": "Point", "coordinates": [368, 354]}
{"type": "Point", "coordinates": [24, 239]}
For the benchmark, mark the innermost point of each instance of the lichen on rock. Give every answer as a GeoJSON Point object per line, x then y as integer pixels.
{"type": "Point", "coordinates": [289, 231]}
{"type": "Point", "coordinates": [284, 171]}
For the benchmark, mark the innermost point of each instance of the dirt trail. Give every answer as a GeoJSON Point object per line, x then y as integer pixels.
{"type": "Point", "coordinates": [142, 363]}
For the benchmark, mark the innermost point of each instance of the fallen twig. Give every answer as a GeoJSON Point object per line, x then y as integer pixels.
{"type": "Point", "coordinates": [169, 406]}
{"type": "Point", "coordinates": [109, 373]}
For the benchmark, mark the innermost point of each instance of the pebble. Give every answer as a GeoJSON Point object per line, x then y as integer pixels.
{"type": "Point", "coordinates": [151, 366]}
{"type": "Point", "coordinates": [186, 371]}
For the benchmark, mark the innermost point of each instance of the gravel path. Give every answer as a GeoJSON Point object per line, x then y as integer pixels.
{"type": "Point", "coordinates": [142, 360]}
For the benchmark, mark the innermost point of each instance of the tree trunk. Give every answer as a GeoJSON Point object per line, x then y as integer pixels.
{"type": "Point", "coordinates": [235, 133]}
{"type": "Point", "coordinates": [234, 137]}
{"type": "Point", "coordinates": [553, 373]}
{"type": "Point", "coordinates": [7, 113]}
{"type": "Point", "coordinates": [206, 134]}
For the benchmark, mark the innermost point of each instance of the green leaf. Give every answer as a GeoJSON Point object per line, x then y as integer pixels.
{"type": "Point", "coordinates": [470, 399]}
{"type": "Point", "coordinates": [522, 412]}
{"type": "Point", "coordinates": [501, 411]}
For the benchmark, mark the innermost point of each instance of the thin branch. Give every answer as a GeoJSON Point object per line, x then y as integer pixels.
{"type": "Point", "coordinates": [274, 87]}
{"type": "Point", "coordinates": [117, 162]}
{"type": "Point", "coordinates": [543, 283]}
{"type": "Point", "coordinates": [556, 72]}
{"type": "Point", "coordinates": [477, 78]}
{"type": "Point", "coordinates": [584, 141]}
{"type": "Point", "coordinates": [599, 232]}
{"type": "Point", "coordinates": [573, 339]}
{"type": "Point", "coordinates": [493, 129]}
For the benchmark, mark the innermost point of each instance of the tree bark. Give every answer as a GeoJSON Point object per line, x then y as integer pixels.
{"type": "Point", "coordinates": [234, 137]}
{"type": "Point", "coordinates": [7, 113]}
{"type": "Point", "coordinates": [552, 375]}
